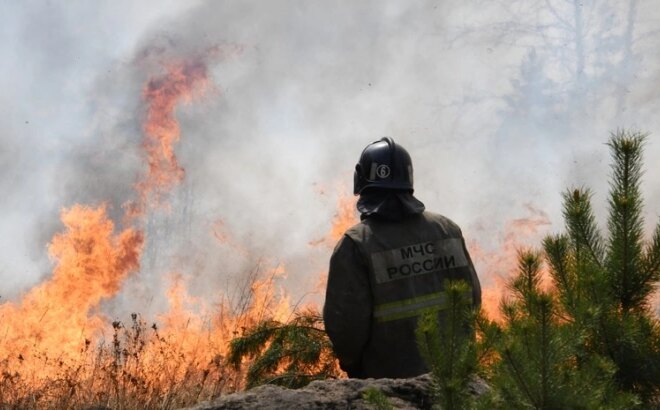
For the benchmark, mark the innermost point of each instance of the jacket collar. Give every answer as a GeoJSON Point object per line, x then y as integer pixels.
{"type": "Point", "coordinates": [388, 204]}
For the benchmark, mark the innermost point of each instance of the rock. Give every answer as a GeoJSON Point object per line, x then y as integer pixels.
{"type": "Point", "coordinates": [414, 393]}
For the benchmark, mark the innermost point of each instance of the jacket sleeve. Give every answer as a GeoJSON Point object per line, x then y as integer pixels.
{"type": "Point", "coordinates": [348, 306]}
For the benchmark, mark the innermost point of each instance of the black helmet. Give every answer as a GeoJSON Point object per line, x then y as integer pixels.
{"type": "Point", "coordinates": [383, 164]}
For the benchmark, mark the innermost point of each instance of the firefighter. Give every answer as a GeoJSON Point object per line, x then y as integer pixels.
{"type": "Point", "coordinates": [390, 268]}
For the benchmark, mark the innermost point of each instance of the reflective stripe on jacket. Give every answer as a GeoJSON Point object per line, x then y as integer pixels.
{"type": "Point", "coordinates": [383, 275]}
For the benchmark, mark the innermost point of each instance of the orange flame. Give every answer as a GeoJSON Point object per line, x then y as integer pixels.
{"type": "Point", "coordinates": [222, 233]}
{"type": "Point", "coordinates": [199, 333]}
{"type": "Point", "coordinates": [60, 320]}
{"type": "Point", "coordinates": [494, 268]}
{"type": "Point", "coordinates": [60, 317]}
{"type": "Point", "coordinates": [344, 218]}
{"type": "Point", "coordinates": [181, 82]}
{"type": "Point", "coordinates": [91, 265]}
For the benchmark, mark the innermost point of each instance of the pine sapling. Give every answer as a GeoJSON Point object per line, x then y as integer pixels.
{"type": "Point", "coordinates": [289, 354]}
{"type": "Point", "coordinates": [446, 342]}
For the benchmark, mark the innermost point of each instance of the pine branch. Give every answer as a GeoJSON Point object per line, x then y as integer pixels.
{"type": "Point", "coordinates": [489, 333]}
{"type": "Point", "coordinates": [581, 225]}
{"type": "Point", "coordinates": [525, 286]}
{"type": "Point", "coordinates": [449, 348]}
{"type": "Point", "coordinates": [517, 373]}
{"type": "Point", "coordinates": [251, 343]}
{"type": "Point", "coordinates": [624, 257]}
{"type": "Point", "coordinates": [557, 252]}
{"type": "Point", "coordinates": [544, 317]}
{"type": "Point", "coordinates": [285, 352]}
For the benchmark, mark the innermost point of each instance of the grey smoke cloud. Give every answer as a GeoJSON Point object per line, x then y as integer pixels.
{"type": "Point", "coordinates": [502, 106]}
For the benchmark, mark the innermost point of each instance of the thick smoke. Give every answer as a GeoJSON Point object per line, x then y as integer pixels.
{"type": "Point", "coordinates": [502, 107]}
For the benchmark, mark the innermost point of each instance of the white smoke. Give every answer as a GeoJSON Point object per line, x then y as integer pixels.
{"type": "Point", "coordinates": [502, 107]}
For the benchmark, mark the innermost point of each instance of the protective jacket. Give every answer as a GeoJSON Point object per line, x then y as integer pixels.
{"type": "Point", "coordinates": [383, 275]}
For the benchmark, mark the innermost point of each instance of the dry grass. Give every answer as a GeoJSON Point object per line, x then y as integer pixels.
{"type": "Point", "coordinates": [140, 366]}
{"type": "Point", "coordinates": [138, 369]}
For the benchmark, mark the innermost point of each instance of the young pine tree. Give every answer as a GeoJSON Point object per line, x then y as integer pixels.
{"type": "Point", "coordinates": [450, 348]}
{"type": "Point", "coordinates": [605, 285]}
{"type": "Point", "coordinates": [593, 341]}
{"type": "Point", "coordinates": [538, 366]}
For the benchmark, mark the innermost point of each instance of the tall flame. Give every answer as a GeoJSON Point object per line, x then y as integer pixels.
{"type": "Point", "coordinates": [91, 264]}
{"type": "Point", "coordinates": [180, 83]}
{"type": "Point", "coordinates": [59, 317]}
{"type": "Point", "coordinates": [56, 331]}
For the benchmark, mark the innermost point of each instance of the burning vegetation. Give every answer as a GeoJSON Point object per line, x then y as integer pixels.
{"type": "Point", "coordinates": [58, 350]}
